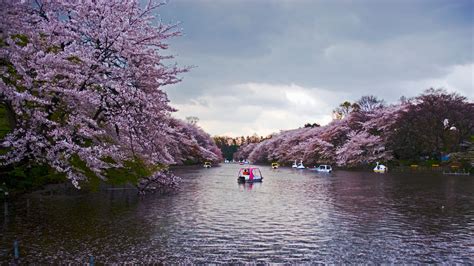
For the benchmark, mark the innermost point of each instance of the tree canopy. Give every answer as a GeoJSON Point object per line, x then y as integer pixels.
{"type": "Point", "coordinates": [370, 131]}
{"type": "Point", "coordinates": [82, 83]}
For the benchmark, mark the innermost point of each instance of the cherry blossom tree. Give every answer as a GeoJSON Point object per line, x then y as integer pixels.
{"type": "Point", "coordinates": [362, 148]}
{"type": "Point", "coordinates": [317, 150]}
{"type": "Point", "coordinates": [244, 151]}
{"type": "Point", "coordinates": [83, 82]}
{"type": "Point", "coordinates": [192, 144]}
{"type": "Point", "coordinates": [359, 137]}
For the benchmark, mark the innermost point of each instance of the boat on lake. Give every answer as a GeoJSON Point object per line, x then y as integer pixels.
{"type": "Point", "coordinates": [207, 165]}
{"type": "Point", "coordinates": [294, 165]}
{"type": "Point", "coordinates": [323, 168]}
{"type": "Point", "coordinates": [249, 175]}
{"type": "Point", "coordinates": [275, 165]}
{"type": "Point", "coordinates": [298, 165]}
{"type": "Point", "coordinates": [244, 162]}
{"type": "Point", "coordinates": [380, 168]}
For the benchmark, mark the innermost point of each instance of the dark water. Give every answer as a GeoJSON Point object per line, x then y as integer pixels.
{"type": "Point", "coordinates": [294, 216]}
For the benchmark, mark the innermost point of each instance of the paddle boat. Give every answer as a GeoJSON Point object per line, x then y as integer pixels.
{"type": "Point", "coordinates": [207, 165]}
{"type": "Point", "coordinates": [226, 161]}
{"type": "Point", "coordinates": [380, 168]}
{"type": "Point", "coordinates": [295, 165]}
{"type": "Point", "coordinates": [323, 168]}
{"type": "Point", "coordinates": [300, 165]}
{"type": "Point", "coordinates": [249, 175]}
{"type": "Point", "coordinates": [275, 165]}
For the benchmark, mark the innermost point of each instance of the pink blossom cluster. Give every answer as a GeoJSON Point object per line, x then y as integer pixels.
{"type": "Point", "coordinates": [83, 79]}
{"type": "Point", "coordinates": [358, 138]}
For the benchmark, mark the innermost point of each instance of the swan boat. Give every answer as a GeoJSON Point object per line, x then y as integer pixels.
{"type": "Point", "coordinates": [380, 168]}
{"type": "Point", "coordinates": [299, 165]}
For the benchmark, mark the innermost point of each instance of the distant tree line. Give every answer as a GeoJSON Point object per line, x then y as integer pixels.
{"type": "Point", "coordinates": [433, 125]}
{"type": "Point", "coordinates": [230, 145]}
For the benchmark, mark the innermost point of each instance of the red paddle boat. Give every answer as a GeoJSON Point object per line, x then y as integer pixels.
{"type": "Point", "coordinates": [249, 175]}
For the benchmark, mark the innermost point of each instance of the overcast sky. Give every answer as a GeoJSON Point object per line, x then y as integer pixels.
{"type": "Point", "coordinates": [263, 66]}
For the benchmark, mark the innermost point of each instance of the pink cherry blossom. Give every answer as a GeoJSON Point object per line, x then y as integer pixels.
{"type": "Point", "coordinates": [84, 81]}
{"type": "Point", "coordinates": [356, 139]}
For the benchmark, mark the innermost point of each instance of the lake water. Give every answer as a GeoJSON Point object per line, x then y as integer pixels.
{"type": "Point", "coordinates": [294, 216]}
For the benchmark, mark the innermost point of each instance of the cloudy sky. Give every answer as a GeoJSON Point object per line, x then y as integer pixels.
{"type": "Point", "coordinates": [263, 66]}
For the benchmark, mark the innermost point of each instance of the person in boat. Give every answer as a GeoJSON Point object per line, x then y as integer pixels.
{"type": "Point", "coordinates": [246, 172]}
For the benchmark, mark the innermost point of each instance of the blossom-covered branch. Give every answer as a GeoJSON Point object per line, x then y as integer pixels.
{"type": "Point", "coordinates": [83, 81]}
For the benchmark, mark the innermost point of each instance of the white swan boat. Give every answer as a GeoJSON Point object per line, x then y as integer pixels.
{"type": "Point", "coordinates": [380, 168]}
{"type": "Point", "coordinates": [300, 165]}
{"type": "Point", "coordinates": [294, 165]}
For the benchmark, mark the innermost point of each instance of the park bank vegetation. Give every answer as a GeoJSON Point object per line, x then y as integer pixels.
{"type": "Point", "coordinates": [81, 94]}
{"type": "Point", "coordinates": [429, 127]}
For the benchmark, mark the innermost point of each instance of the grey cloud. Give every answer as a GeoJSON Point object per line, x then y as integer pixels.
{"type": "Point", "coordinates": [351, 48]}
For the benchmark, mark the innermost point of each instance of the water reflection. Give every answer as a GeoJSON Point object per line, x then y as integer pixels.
{"type": "Point", "coordinates": [249, 186]}
{"type": "Point", "coordinates": [294, 216]}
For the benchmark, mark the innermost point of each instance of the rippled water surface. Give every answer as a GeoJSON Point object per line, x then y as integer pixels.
{"type": "Point", "coordinates": [293, 216]}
